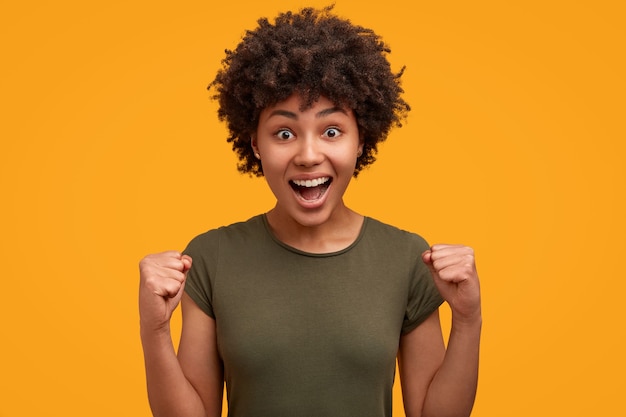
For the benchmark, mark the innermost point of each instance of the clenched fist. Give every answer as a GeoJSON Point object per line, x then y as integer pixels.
{"type": "Point", "coordinates": [162, 281]}
{"type": "Point", "coordinates": [454, 271]}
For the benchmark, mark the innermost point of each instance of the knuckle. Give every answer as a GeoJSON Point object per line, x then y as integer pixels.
{"type": "Point", "coordinates": [152, 282]}
{"type": "Point", "coordinates": [144, 261]}
{"type": "Point", "coordinates": [172, 288]}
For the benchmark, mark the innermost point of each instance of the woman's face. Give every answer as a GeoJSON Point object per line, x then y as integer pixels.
{"type": "Point", "coordinates": [308, 157]}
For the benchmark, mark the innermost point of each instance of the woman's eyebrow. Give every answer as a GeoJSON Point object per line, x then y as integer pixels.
{"type": "Point", "coordinates": [320, 114]}
{"type": "Point", "coordinates": [284, 113]}
{"type": "Point", "coordinates": [329, 111]}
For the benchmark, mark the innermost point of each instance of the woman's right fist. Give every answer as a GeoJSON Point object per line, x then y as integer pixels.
{"type": "Point", "coordinates": [162, 281]}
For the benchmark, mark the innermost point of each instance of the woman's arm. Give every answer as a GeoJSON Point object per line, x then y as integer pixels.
{"type": "Point", "coordinates": [174, 387]}
{"type": "Point", "coordinates": [199, 358]}
{"type": "Point", "coordinates": [420, 355]}
{"type": "Point", "coordinates": [438, 382]}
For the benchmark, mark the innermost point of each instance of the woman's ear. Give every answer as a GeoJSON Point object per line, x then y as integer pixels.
{"type": "Point", "coordinates": [255, 149]}
{"type": "Point", "coordinates": [359, 151]}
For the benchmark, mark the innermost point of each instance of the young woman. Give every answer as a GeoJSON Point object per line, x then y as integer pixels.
{"type": "Point", "coordinates": [304, 310]}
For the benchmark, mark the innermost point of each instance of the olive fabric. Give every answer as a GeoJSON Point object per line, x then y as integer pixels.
{"type": "Point", "coordinates": [304, 334]}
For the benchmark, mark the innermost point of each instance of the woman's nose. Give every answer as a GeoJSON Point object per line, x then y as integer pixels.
{"type": "Point", "coordinates": [309, 152]}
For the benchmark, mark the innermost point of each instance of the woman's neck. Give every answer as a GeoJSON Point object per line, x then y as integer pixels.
{"type": "Point", "coordinates": [334, 234]}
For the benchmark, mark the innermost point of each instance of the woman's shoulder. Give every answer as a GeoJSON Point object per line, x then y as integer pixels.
{"type": "Point", "coordinates": [393, 235]}
{"type": "Point", "coordinates": [237, 231]}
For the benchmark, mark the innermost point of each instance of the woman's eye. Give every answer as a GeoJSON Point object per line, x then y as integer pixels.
{"type": "Point", "coordinates": [332, 132]}
{"type": "Point", "coordinates": [284, 134]}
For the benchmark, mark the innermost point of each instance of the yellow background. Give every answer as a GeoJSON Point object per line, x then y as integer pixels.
{"type": "Point", "coordinates": [111, 149]}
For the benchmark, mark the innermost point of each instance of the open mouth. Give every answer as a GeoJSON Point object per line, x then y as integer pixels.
{"type": "Point", "coordinates": [311, 190]}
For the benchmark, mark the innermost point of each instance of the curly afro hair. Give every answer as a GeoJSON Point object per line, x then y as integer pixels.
{"type": "Point", "coordinates": [312, 53]}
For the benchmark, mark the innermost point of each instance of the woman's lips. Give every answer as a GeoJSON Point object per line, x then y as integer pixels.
{"type": "Point", "coordinates": [311, 190]}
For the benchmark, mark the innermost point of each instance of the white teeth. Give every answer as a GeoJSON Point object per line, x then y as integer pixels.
{"type": "Point", "coordinates": [311, 183]}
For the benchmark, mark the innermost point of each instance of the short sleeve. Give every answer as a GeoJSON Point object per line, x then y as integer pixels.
{"type": "Point", "coordinates": [199, 285]}
{"type": "Point", "coordinates": [424, 298]}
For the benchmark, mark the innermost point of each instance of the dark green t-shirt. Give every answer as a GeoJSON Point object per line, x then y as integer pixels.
{"type": "Point", "coordinates": [304, 334]}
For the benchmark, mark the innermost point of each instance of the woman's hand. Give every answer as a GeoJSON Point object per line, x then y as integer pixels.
{"type": "Point", "coordinates": [454, 271]}
{"type": "Point", "coordinates": [162, 281]}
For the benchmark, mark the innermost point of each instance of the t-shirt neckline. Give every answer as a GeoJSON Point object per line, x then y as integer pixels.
{"type": "Point", "coordinates": [290, 248]}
